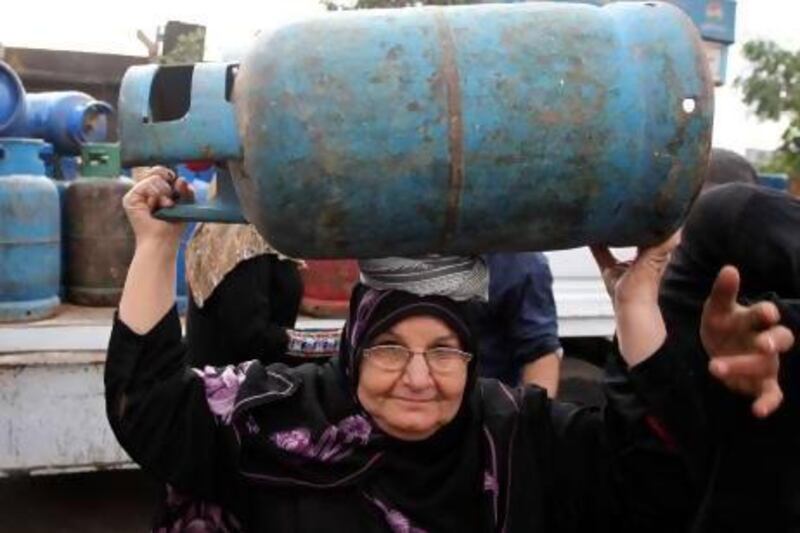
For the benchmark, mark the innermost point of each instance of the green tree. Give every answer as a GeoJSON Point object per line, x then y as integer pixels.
{"type": "Point", "coordinates": [772, 90]}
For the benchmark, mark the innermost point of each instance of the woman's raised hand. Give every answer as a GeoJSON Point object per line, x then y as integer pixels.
{"type": "Point", "coordinates": [635, 282]}
{"type": "Point", "coordinates": [158, 189]}
{"type": "Point", "coordinates": [633, 287]}
{"type": "Point", "coordinates": [744, 343]}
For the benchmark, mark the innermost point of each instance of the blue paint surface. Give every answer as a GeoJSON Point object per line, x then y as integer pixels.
{"type": "Point", "coordinates": [454, 130]}
{"type": "Point", "coordinates": [30, 233]}
{"type": "Point", "coordinates": [206, 131]}
{"type": "Point", "coordinates": [779, 182]}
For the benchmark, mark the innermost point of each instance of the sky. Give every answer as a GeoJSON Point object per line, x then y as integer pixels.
{"type": "Point", "coordinates": [102, 26]}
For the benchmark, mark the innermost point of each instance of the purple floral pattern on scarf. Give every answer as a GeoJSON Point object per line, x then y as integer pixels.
{"type": "Point", "coordinates": [396, 520]}
{"type": "Point", "coordinates": [335, 443]}
{"type": "Point", "coordinates": [295, 440]}
{"type": "Point", "coordinates": [222, 386]}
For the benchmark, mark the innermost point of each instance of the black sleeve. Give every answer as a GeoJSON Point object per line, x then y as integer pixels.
{"type": "Point", "coordinates": [635, 465]}
{"type": "Point", "coordinates": [157, 408]}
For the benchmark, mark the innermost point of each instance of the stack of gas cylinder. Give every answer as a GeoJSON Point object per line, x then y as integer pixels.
{"type": "Point", "coordinates": [62, 232]}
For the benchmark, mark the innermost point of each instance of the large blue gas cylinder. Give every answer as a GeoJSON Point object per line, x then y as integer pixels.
{"type": "Point", "coordinates": [445, 129]}
{"type": "Point", "coordinates": [67, 119]}
{"type": "Point", "coordinates": [30, 233]}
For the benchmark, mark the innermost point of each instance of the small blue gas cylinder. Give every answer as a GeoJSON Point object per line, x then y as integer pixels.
{"type": "Point", "coordinates": [30, 232]}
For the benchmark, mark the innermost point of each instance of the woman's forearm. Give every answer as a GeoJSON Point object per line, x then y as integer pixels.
{"type": "Point", "coordinates": [149, 290]}
{"type": "Point", "coordinates": [640, 331]}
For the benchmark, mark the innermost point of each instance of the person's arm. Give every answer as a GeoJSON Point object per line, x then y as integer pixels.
{"type": "Point", "coordinates": [633, 288]}
{"type": "Point", "coordinates": [625, 467]}
{"type": "Point", "coordinates": [743, 343]}
{"type": "Point", "coordinates": [159, 410]}
{"type": "Point", "coordinates": [149, 290]}
{"type": "Point", "coordinates": [642, 461]}
{"type": "Point", "coordinates": [533, 323]}
{"type": "Point", "coordinates": [157, 406]}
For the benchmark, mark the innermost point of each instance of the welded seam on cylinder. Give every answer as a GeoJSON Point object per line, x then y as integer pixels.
{"type": "Point", "coordinates": [455, 126]}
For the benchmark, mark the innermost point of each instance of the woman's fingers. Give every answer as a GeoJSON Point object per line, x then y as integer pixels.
{"type": "Point", "coordinates": [150, 192]}
{"type": "Point", "coordinates": [769, 400]}
{"type": "Point", "coordinates": [756, 374]}
{"type": "Point", "coordinates": [762, 361]}
{"type": "Point", "coordinates": [762, 315]}
{"type": "Point", "coordinates": [163, 172]}
{"type": "Point", "coordinates": [660, 252]}
{"type": "Point", "coordinates": [772, 341]}
{"type": "Point", "coordinates": [184, 190]}
{"type": "Point", "coordinates": [154, 191]}
{"type": "Point", "coordinates": [159, 190]}
{"type": "Point", "coordinates": [724, 291]}
{"type": "Point", "coordinates": [754, 367]}
{"type": "Point", "coordinates": [775, 340]}
{"type": "Point", "coordinates": [165, 201]}
{"type": "Point", "coordinates": [603, 257]}
{"type": "Point", "coordinates": [783, 338]}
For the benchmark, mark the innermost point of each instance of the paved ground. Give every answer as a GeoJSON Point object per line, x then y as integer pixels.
{"type": "Point", "coordinates": [104, 502]}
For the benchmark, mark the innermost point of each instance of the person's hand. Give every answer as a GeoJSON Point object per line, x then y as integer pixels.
{"type": "Point", "coordinates": [744, 343]}
{"type": "Point", "coordinates": [158, 189]}
{"type": "Point", "coordinates": [633, 287]}
{"type": "Point", "coordinates": [635, 282]}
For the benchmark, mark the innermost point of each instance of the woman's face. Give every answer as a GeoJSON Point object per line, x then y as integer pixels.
{"type": "Point", "coordinates": [412, 404]}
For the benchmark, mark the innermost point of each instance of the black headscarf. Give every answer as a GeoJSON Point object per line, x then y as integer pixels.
{"type": "Point", "coordinates": [726, 166]}
{"type": "Point", "coordinates": [426, 481]}
{"type": "Point", "coordinates": [428, 485]}
{"type": "Point", "coordinates": [373, 312]}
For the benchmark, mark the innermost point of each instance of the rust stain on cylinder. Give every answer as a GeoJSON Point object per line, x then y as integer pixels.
{"type": "Point", "coordinates": [448, 73]}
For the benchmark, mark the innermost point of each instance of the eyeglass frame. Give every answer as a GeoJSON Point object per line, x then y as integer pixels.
{"type": "Point", "coordinates": [465, 356]}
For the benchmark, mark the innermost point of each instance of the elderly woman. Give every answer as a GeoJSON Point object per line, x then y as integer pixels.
{"type": "Point", "coordinates": [397, 433]}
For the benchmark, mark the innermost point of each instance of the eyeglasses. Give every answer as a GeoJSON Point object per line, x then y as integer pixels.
{"type": "Point", "coordinates": [441, 361]}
